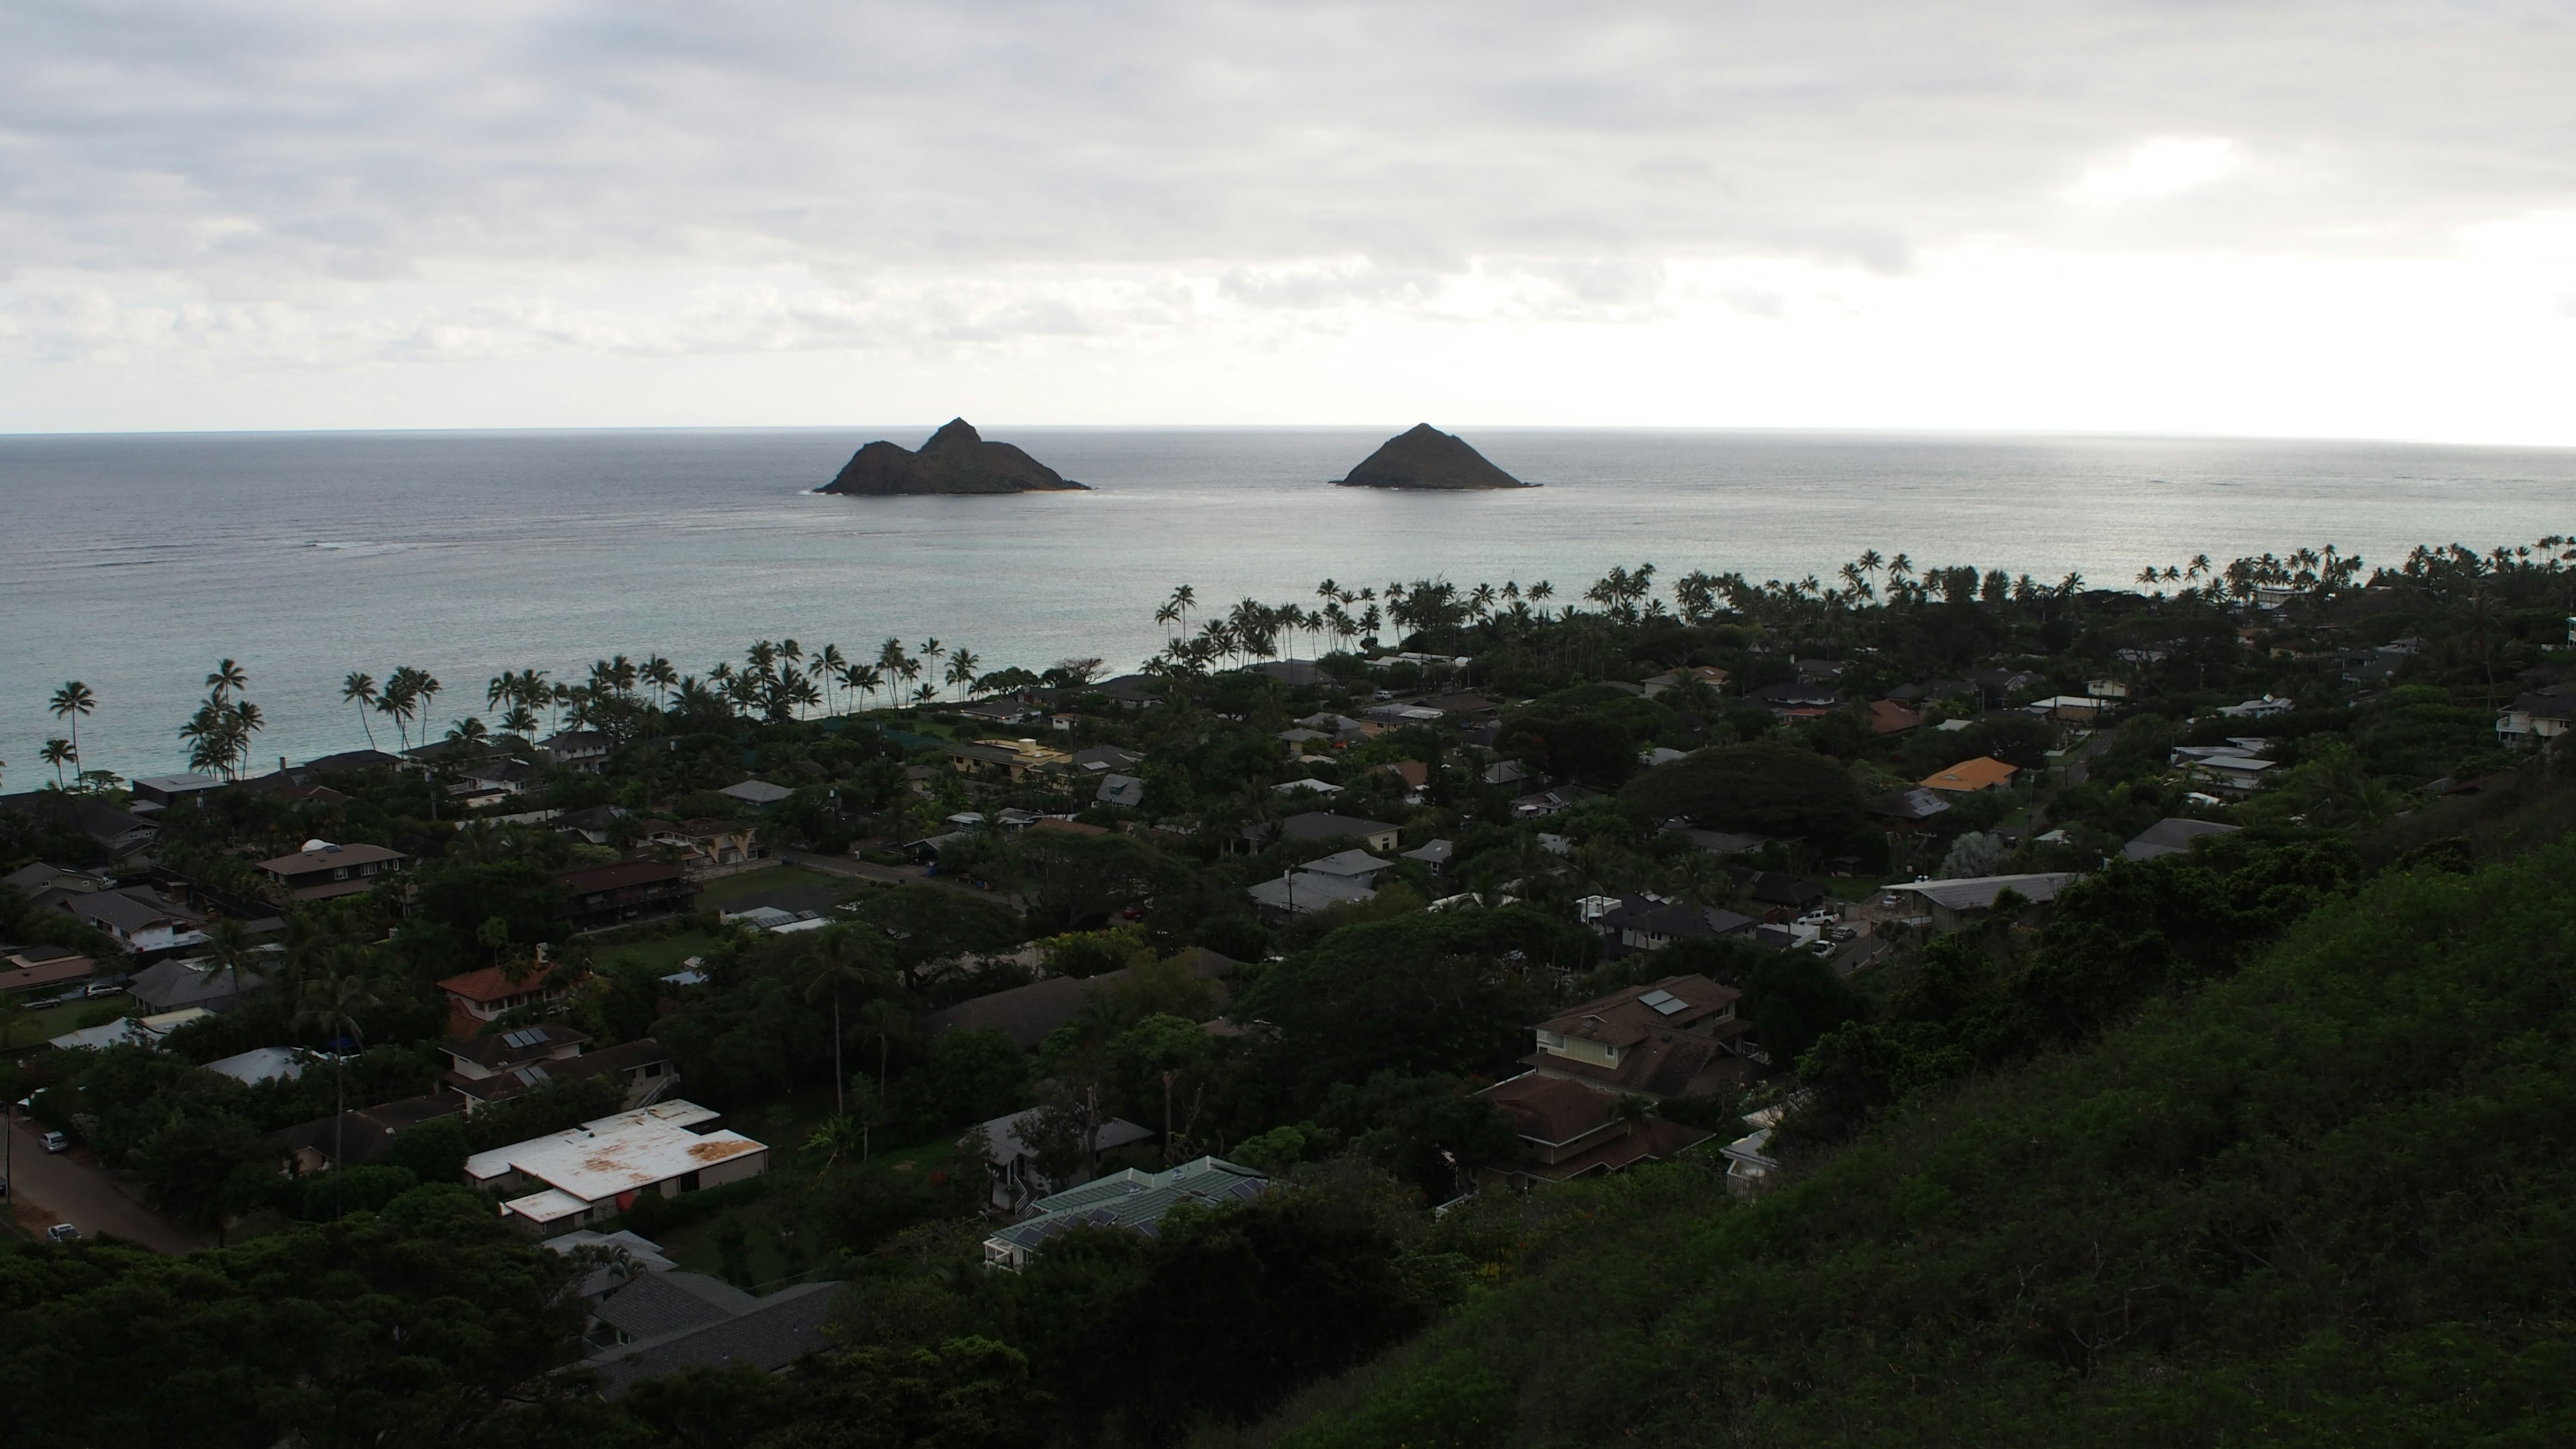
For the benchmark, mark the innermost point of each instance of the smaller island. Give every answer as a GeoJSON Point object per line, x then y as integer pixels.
{"type": "Point", "coordinates": [956, 460]}
{"type": "Point", "coordinates": [1428, 458]}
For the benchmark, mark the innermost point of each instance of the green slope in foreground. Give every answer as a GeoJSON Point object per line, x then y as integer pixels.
{"type": "Point", "coordinates": [2329, 1200]}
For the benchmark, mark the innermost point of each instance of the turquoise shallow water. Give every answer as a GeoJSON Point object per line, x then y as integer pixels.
{"type": "Point", "coordinates": [134, 562]}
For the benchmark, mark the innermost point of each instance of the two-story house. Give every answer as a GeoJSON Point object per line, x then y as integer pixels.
{"type": "Point", "coordinates": [1678, 1037]}
{"type": "Point", "coordinates": [1572, 1129]}
{"type": "Point", "coordinates": [322, 871]}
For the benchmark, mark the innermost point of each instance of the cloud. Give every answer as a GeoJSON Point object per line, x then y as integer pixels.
{"type": "Point", "coordinates": [2159, 168]}
{"type": "Point", "coordinates": [299, 184]}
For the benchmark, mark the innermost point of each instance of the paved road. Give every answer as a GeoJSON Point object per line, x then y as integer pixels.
{"type": "Point", "coordinates": [74, 1191]}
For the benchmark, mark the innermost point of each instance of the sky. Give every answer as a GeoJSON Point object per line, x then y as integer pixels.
{"type": "Point", "coordinates": [2351, 219]}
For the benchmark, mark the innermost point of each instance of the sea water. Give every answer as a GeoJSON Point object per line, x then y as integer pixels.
{"type": "Point", "coordinates": [134, 563]}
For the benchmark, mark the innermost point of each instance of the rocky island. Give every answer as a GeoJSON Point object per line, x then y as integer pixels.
{"type": "Point", "coordinates": [955, 460]}
{"type": "Point", "coordinates": [1428, 458]}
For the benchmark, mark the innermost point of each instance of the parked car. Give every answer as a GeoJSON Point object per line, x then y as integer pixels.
{"type": "Point", "coordinates": [55, 1142]}
{"type": "Point", "coordinates": [103, 988]}
{"type": "Point", "coordinates": [63, 1233]}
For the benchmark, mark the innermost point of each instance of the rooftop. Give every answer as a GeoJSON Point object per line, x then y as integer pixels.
{"type": "Point", "coordinates": [601, 1158]}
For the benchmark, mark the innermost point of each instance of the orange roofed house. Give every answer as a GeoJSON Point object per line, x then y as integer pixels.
{"type": "Point", "coordinates": [1969, 776]}
{"type": "Point", "coordinates": [479, 997]}
{"type": "Point", "coordinates": [1678, 1037]}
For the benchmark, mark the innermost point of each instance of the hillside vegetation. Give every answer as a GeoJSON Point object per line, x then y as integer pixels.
{"type": "Point", "coordinates": [2325, 1200]}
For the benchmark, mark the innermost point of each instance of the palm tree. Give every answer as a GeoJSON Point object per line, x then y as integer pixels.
{"type": "Point", "coordinates": [961, 669]}
{"type": "Point", "coordinates": [57, 753]}
{"type": "Point", "coordinates": [1184, 599]}
{"type": "Point", "coordinates": [519, 721]}
{"type": "Point", "coordinates": [467, 731]}
{"type": "Point", "coordinates": [331, 1002]}
{"type": "Point", "coordinates": [228, 945]}
{"type": "Point", "coordinates": [360, 689]}
{"type": "Point", "coordinates": [428, 686]}
{"type": "Point", "coordinates": [659, 673]}
{"type": "Point", "coordinates": [931, 652]}
{"type": "Point", "coordinates": [71, 702]}
{"type": "Point", "coordinates": [841, 956]}
{"type": "Point", "coordinates": [227, 678]}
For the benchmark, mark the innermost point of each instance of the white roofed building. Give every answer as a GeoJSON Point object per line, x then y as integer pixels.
{"type": "Point", "coordinates": [571, 1179]}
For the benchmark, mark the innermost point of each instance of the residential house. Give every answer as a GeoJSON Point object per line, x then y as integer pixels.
{"type": "Point", "coordinates": [35, 968]}
{"type": "Point", "coordinates": [1011, 1164]}
{"type": "Point", "coordinates": [583, 750]}
{"type": "Point", "coordinates": [355, 1138]}
{"type": "Point", "coordinates": [1724, 842]}
{"type": "Point", "coordinates": [1955, 903]}
{"type": "Point", "coordinates": [2532, 718]}
{"type": "Point", "coordinates": [1502, 774]}
{"type": "Point", "coordinates": [1661, 755]}
{"type": "Point", "coordinates": [1996, 687]}
{"type": "Point", "coordinates": [1376, 835]}
{"type": "Point", "coordinates": [322, 871]}
{"type": "Point", "coordinates": [2265, 708]}
{"type": "Point", "coordinates": [147, 1032]}
{"type": "Point", "coordinates": [2227, 769]}
{"type": "Point", "coordinates": [1397, 716]}
{"type": "Point", "coordinates": [1678, 1037]}
{"type": "Point", "coordinates": [2171, 836]}
{"type": "Point", "coordinates": [141, 922]}
{"type": "Point", "coordinates": [1906, 808]}
{"type": "Point", "coordinates": [49, 885]}
{"type": "Point", "coordinates": [478, 1067]}
{"type": "Point", "coordinates": [1132, 692]}
{"type": "Point", "coordinates": [1413, 774]}
{"type": "Point", "coordinates": [1011, 760]}
{"type": "Point", "coordinates": [1341, 728]}
{"type": "Point", "coordinates": [160, 792]}
{"type": "Point", "coordinates": [1643, 923]}
{"type": "Point", "coordinates": [1120, 792]}
{"type": "Point", "coordinates": [1887, 717]}
{"type": "Point", "coordinates": [1779, 889]}
{"type": "Point", "coordinates": [1540, 804]}
{"type": "Point", "coordinates": [2106, 689]}
{"type": "Point", "coordinates": [1434, 853]}
{"type": "Point", "coordinates": [570, 1179]}
{"type": "Point", "coordinates": [758, 794]}
{"type": "Point", "coordinates": [1132, 1200]}
{"type": "Point", "coordinates": [116, 833]}
{"type": "Point", "coordinates": [1352, 865]}
{"type": "Point", "coordinates": [480, 997]}
{"type": "Point", "coordinates": [1708, 674]}
{"type": "Point", "coordinates": [1295, 673]}
{"type": "Point", "coordinates": [1570, 1129]}
{"type": "Point", "coordinates": [1794, 701]}
{"type": "Point", "coordinates": [1102, 759]}
{"type": "Point", "coordinates": [593, 824]}
{"type": "Point", "coordinates": [656, 1323]}
{"type": "Point", "coordinates": [627, 890]}
{"type": "Point", "coordinates": [176, 985]}
{"type": "Point", "coordinates": [1307, 786]}
{"type": "Point", "coordinates": [2076, 709]}
{"type": "Point", "coordinates": [1301, 892]}
{"type": "Point", "coordinates": [260, 1064]}
{"type": "Point", "coordinates": [1970, 776]}
{"type": "Point", "coordinates": [701, 846]}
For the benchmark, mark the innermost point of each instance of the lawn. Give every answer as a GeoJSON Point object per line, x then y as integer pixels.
{"type": "Point", "coordinates": [721, 893]}
{"type": "Point", "coordinates": [661, 954]}
{"type": "Point", "coordinates": [32, 1027]}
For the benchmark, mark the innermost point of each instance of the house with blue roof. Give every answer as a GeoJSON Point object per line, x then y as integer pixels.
{"type": "Point", "coordinates": [1133, 1200]}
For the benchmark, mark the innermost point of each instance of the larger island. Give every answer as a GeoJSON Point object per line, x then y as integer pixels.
{"type": "Point", "coordinates": [955, 460]}
{"type": "Point", "coordinates": [1427, 458]}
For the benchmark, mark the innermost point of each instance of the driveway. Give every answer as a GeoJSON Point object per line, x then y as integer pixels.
{"type": "Point", "coordinates": [70, 1189]}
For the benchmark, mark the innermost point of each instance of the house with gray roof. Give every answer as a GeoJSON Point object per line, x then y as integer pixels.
{"type": "Point", "coordinates": [1131, 1200]}
{"type": "Point", "coordinates": [1325, 825]}
{"type": "Point", "coordinates": [1124, 792]}
{"type": "Point", "coordinates": [659, 1323]}
{"type": "Point", "coordinates": [1299, 893]}
{"type": "Point", "coordinates": [2171, 836]}
{"type": "Point", "coordinates": [757, 793]}
{"type": "Point", "coordinates": [1955, 902]}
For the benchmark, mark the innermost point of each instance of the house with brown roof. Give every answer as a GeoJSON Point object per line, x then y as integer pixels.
{"type": "Point", "coordinates": [323, 871]}
{"type": "Point", "coordinates": [482, 996]}
{"type": "Point", "coordinates": [33, 968]}
{"type": "Point", "coordinates": [1571, 1129]}
{"type": "Point", "coordinates": [626, 890]}
{"type": "Point", "coordinates": [1970, 776]}
{"type": "Point", "coordinates": [1887, 717]}
{"type": "Point", "coordinates": [1678, 1037]}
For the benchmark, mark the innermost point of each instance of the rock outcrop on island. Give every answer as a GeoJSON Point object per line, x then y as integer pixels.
{"type": "Point", "coordinates": [955, 460]}
{"type": "Point", "coordinates": [1428, 458]}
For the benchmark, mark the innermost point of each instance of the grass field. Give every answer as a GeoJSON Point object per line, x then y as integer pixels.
{"type": "Point", "coordinates": [35, 1026]}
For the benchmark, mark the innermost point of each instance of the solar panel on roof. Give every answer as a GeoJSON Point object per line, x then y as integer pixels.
{"type": "Point", "coordinates": [1663, 1001]}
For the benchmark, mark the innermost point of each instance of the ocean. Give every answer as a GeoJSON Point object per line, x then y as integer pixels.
{"type": "Point", "coordinates": [135, 562]}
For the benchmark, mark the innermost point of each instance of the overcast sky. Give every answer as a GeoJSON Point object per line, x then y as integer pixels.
{"type": "Point", "coordinates": [2346, 219]}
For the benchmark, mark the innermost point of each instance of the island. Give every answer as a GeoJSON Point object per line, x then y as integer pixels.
{"type": "Point", "coordinates": [1428, 458]}
{"type": "Point", "coordinates": [955, 460]}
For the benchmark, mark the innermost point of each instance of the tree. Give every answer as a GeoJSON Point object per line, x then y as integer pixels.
{"type": "Point", "coordinates": [331, 1002]}
{"type": "Point", "coordinates": [360, 689]}
{"type": "Point", "coordinates": [57, 753]}
{"type": "Point", "coordinates": [842, 957]}
{"type": "Point", "coordinates": [73, 702]}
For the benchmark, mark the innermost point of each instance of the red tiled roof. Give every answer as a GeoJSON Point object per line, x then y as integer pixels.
{"type": "Point", "coordinates": [492, 984]}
